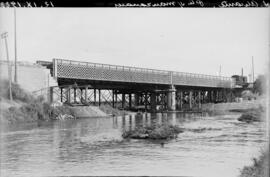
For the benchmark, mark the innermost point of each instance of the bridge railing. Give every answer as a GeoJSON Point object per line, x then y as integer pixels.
{"type": "Point", "coordinates": [107, 72]}
{"type": "Point", "coordinates": [183, 78]}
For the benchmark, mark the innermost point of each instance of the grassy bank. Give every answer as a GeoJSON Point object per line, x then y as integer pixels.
{"type": "Point", "coordinates": [260, 167]}
{"type": "Point", "coordinates": [26, 108]}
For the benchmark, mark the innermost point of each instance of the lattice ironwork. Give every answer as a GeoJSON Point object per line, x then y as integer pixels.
{"type": "Point", "coordinates": [95, 71]}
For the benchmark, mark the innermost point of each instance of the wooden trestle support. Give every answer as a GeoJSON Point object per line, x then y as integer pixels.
{"type": "Point", "coordinates": [171, 99]}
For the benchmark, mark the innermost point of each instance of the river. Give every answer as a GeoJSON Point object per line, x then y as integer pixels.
{"type": "Point", "coordinates": [209, 146]}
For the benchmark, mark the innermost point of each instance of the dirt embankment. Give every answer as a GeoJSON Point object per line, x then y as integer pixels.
{"type": "Point", "coordinates": [26, 108]}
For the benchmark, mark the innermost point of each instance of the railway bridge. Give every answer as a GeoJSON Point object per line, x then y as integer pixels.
{"type": "Point", "coordinates": [86, 83]}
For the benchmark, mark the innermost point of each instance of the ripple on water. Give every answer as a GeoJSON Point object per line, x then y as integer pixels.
{"type": "Point", "coordinates": [96, 147]}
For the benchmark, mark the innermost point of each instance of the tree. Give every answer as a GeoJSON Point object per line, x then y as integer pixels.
{"type": "Point", "coordinates": [260, 85]}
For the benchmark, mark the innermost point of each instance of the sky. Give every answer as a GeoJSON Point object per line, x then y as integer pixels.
{"type": "Point", "coordinates": [195, 40]}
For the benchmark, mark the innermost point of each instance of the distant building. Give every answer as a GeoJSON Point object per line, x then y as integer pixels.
{"type": "Point", "coordinates": [240, 81]}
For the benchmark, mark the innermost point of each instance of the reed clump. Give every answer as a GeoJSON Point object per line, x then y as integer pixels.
{"type": "Point", "coordinates": [155, 132]}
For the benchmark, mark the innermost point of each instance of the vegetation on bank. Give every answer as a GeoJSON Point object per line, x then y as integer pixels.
{"type": "Point", "coordinates": [260, 167]}
{"type": "Point", "coordinates": [29, 108]}
{"type": "Point", "coordinates": [155, 132]}
{"type": "Point", "coordinates": [251, 115]}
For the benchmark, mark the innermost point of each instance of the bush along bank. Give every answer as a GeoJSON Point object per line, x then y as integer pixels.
{"type": "Point", "coordinates": [29, 108]}
{"type": "Point", "coordinates": [252, 115]}
{"type": "Point", "coordinates": [260, 167]}
{"type": "Point", "coordinates": [155, 132]}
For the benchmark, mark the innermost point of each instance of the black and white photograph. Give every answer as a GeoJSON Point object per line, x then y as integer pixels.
{"type": "Point", "coordinates": [132, 90]}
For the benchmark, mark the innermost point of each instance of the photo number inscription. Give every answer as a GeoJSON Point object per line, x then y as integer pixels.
{"type": "Point", "coordinates": [26, 4]}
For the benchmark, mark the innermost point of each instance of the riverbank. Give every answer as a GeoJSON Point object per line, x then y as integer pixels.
{"type": "Point", "coordinates": [25, 108]}
{"type": "Point", "coordinates": [250, 111]}
{"type": "Point", "coordinates": [228, 108]}
{"type": "Point", "coordinates": [260, 167]}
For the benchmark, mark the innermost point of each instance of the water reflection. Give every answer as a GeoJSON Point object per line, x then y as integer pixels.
{"type": "Point", "coordinates": [129, 122]}
{"type": "Point", "coordinates": [94, 146]}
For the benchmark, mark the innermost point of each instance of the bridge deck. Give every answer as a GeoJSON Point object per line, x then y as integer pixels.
{"type": "Point", "coordinates": [69, 69]}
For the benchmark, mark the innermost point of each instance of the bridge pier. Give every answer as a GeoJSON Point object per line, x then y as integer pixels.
{"type": "Point", "coordinates": [116, 98]}
{"type": "Point", "coordinates": [74, 95]}
{"type": "Point", "coordinates": [136, 99]}
{"type": "Point", "coordinates": [68, 94]}
{"type": "Point", "coordinates": [95, 97]}
{"type": "Point", "coordinates": [99, 97]}
{"type": "Point", "coordinates": [199, 99]}
{"type": "Point", "coordinates": [86, 94]}
{"type": "Point", "coordinates": [61, 94]}
{"type": "Point", "coordinates": [145, 100]}
{"type": "Point", "coordinates": [181, 100]}
{"type": "Point", "coordinates": [113, 95]}
{"type": "Point", "coordinates": [153, 101]}
{"type": "Point", "coordinates": [123, 100]}
{"type": "Point", "coordinates": [190, 99]}
{"type": "Point", "coordinates": [171, 98]}
{"type": "Point", "coordinates": [130, 100]}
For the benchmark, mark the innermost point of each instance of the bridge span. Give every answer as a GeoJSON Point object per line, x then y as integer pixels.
{"type": "Point", "coordinates": [95, 83]}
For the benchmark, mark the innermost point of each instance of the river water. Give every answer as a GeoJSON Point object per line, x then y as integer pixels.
{"type": "Point", "coordinates": [209, 146]}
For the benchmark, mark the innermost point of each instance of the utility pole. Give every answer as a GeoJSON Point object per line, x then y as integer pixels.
{"type": "Point", "coordinates": [4, 36]}
{"type": "Point", "coordinates": [15, 46]}
{"type": "Point", "coordinates": [252, 70]}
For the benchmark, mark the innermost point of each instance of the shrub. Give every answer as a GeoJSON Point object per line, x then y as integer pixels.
{"type": "Point", "coordinates": [17, 92]}
{"type": "Point", "coordinates": [260, 167]}
{"type": "Point", "coordinates": [153, 132]}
